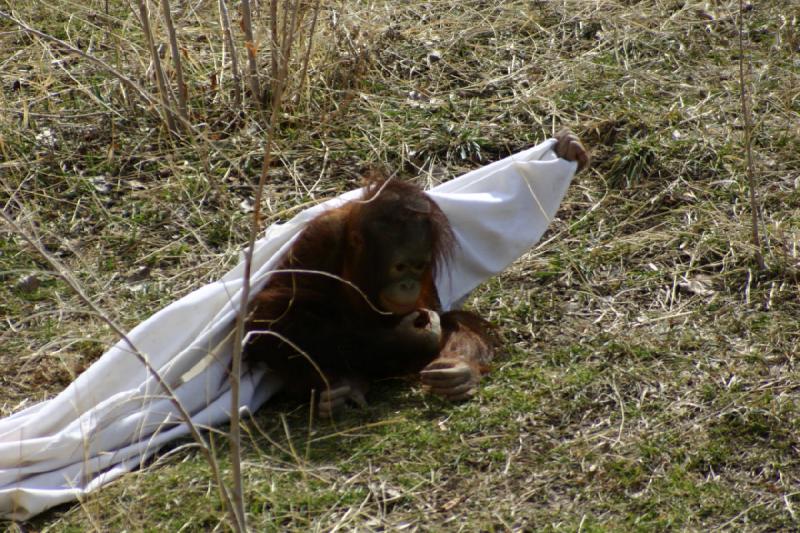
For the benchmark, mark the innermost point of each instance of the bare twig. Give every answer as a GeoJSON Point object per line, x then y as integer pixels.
{"type": "Point", "coordinates": [176, 60]}
{"type": "Point", "coordinates": [304, 69]}
{"type": "Point", "coordinates": [228, 40]}
{"type": "Point", "coordinates": [748, 142]}
{"type": "Point", "coordinates": [166, 101]}
{"type": "Point", "coordinates": [286, 47]}
{"type": "Point", "coordinates": [277, 88]}
{"type": "Point", "coordinates": [273, 44]}
{"type": "Point", "coordinates": [252, 77]}
{"type": "Point", "coordinates": [236, 365]}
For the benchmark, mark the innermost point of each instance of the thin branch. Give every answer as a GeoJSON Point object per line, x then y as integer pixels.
{"type": "Point", "coordinates": [748, 142]}
{"type": "Point", "coordinates": [238, 344]}
{"type": "Point", "coordinates": [176, 60]}
{"type": "Point", "coordinates": [228, 40]}
{"type": "Point", "coordinates": [288, 45]}
{"type": "Point", "coordinates": [304, 69]}
{"type": "Point", "coordinates": [255, 227]}
{"type": "Point", "coordinates": [273, 45]}
{"type": "Point", "coordinates": [247, 27]}
{"type": "Point", "coordinates": [166, 101]}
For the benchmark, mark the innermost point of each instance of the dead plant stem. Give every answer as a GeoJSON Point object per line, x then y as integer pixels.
{"type": "Point", "coordinates": [748, 142]}
{"type": "Point", "coordinates": [228, 40]}
{"type": "Point", "coordinates": [304, 69]}
{"type": "Point", "coordinates": [166, 101]}
{"type": "Point", "coordinates": [255, 227]}
{"type": "Point", "coordinates": [176, 60]}
{"type": "Point", "coordinates": [252, 77]}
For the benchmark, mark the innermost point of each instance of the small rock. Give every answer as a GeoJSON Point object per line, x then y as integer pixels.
{"type": "Point", "coordinates": [434, 56]}
{"type": "Point", "coordinates": [139, 274]}
{"type": "Point", "coordinates": [47, 139]}
{"type": "Point", "coordinates": [29, 283]}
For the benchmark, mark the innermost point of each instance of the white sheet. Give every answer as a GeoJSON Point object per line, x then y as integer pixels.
{"type": "Point", "coordinates": [114, 416]}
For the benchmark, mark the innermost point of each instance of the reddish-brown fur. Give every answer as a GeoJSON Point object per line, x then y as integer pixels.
{"type": "Point", "coordinates": [339, 328]}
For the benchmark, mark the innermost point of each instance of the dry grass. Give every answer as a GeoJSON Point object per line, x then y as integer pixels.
{"type": "Point", "coordinates": [652, 378]}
